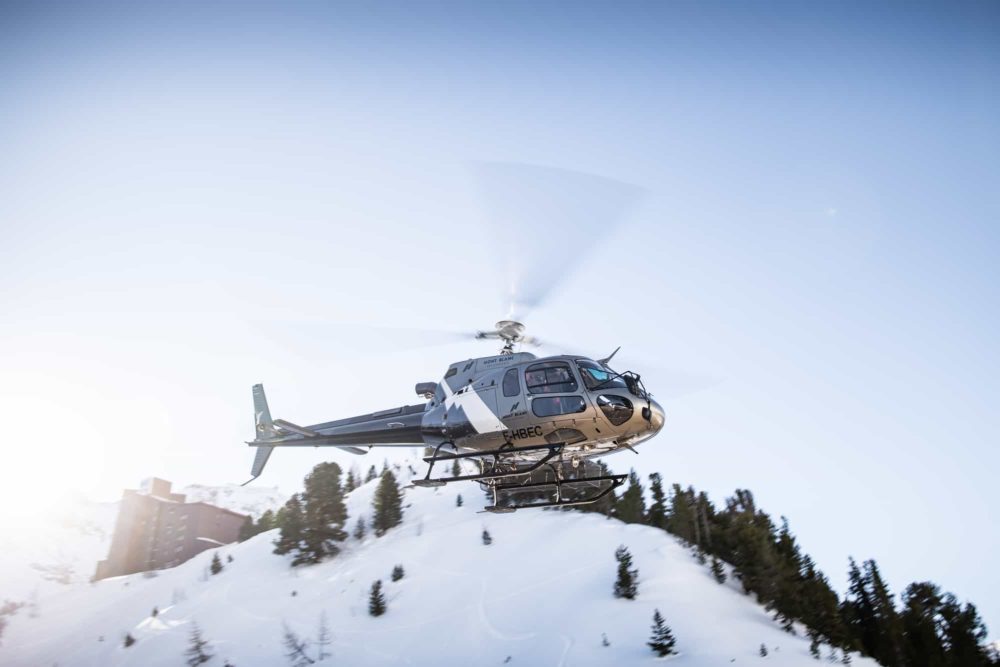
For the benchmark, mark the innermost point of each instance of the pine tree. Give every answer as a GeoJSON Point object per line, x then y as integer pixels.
{"type": "Point", "coordinates": [814, 646]}
{"type": "Point", "coordinates": [197, 652]}
{"type": "Point", "coordinates": [376, 600]}
{"type": "Point", "coordinates": [661, 640]}
{"type": "Point", "coordinates": [350, 483]}
{"type": "Point", "coordinates": [870, 617]}
{"type": "Point", "coordinates": [372, 474]}
{"type": "Point", "coordinates": [631, 507]}
{"type": "Point", "coordinates": [680, 519]}
{"type": "Point", "coordinates": [388, 504]}
{"type": "Point", "coordinates": [324, 515]}
{"type": "Point", "coordinates": [266, 522]}
{"type": "Point", "coordinates": [397, 573]}
{"type": "Point", "coordinates": [247, 530]}
{"type": "Point", "coordinates": [626, 585]}
{"type": "Point", "coordinates": [718, 571]}
{"type": "Point", "coordinates": [216, 566]}
{"type": "Point", "coordinates": [487, 538]}
{"type": "Point", "coordinates": [704, 517]}
{"type": "Point", "coordinates": [458, 500]}
{"type": "Point", "coordinates": [657, 515]}
{"type": "Point", "coordinates": [964, 633]}
{"type": "Point", "coordinates": [456, 468]}
{"type": "Point", "coordinates": [890, 651]}
{"type": "Point", "coordinates": [359, 529]}
{"type": "Point", "coordinates": [763, 651]}
{"type": "Point", "coordinates": [295, 648]}
{"type": "Point", "coordinates": [155, 612]}
{"type": "Point", "coordinates": [323, 638]}
{"type": "Point", "coordinates": [921, 616]}
{"type": "Point", "coordinates": [818, 604]}
{"type": "Point", "coordinates": [291, 522]}
{"type": "Point", "coordinates": [129, 639]}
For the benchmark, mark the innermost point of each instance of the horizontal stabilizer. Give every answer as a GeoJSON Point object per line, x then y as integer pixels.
{"type": "Point", "coordinates": [353, 450]}
{"type": "Point", "coordinates": [309, 433]}
{"type": "Point", "coordinates": [295, 428]}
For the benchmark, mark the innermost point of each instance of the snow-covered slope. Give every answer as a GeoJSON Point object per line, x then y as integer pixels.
{"type": "Point", "coordinates": [55, 548]}
{"type": "Point", "coordinates": [60, 547]}
{"type": "Point", "coordinates": [540, 594]}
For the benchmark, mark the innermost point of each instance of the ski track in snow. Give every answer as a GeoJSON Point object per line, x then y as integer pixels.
{"type": "Point", "coordinates": [567, 645]}
{"type": "Point", "coordinates": [492, 629]}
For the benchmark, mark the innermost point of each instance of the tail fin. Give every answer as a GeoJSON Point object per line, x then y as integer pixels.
{"type": "Point", "coordinates": [263, 428]}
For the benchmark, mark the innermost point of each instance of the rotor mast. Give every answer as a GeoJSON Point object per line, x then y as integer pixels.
{"type": "Point", "coordinates": [509, 331]}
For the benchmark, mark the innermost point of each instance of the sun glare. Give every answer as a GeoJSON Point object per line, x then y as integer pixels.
{"type": "Point", "coordinates": [57, 448]}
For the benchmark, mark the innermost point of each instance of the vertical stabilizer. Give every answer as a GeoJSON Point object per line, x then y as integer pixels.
{"type": "Point", "coordinates": [263, 429]}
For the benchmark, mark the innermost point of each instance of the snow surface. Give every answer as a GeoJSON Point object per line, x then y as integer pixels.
{"type": "Point", "coordinates": [60, 547]}
{"type": "Point", "coordinates": [540, 594]}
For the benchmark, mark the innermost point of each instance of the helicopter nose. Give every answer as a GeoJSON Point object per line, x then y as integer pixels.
{"type": "Point", "coordinates": [656, 416]}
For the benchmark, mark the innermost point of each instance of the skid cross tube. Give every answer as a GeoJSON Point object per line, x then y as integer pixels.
{"type": "Point", "coordinates": [616, 481]}
{"type": "Point", "coordinates": [553, 450]}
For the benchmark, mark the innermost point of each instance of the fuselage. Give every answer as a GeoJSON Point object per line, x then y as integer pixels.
{"type": "Point", "coordinates": [485, 403]}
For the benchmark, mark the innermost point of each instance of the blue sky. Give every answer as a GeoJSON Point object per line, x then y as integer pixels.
{"type": "Point", "coordinates": [191, 196]}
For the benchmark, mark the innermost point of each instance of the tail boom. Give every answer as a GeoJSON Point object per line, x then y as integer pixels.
{"type": "Point", "coordinates": [401, 427]}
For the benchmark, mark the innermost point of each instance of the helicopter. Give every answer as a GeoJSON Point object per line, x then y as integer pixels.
{"type": "Point", "coordinates": [532, 423]}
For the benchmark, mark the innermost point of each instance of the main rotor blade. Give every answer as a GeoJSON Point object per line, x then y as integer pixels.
{"type": "Point", "coordinates": [547, 221]}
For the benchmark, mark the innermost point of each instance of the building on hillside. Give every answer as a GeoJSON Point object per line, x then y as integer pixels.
{"type": "Point", "coordinates": [157, 529]}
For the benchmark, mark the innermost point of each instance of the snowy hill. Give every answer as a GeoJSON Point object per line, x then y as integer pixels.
{"type": "Point", "coordinates": [55, 549]}
{"type": "Point", "coordinates": [61, 546]}
{"type": "Point", "coordinates": [540, 594]}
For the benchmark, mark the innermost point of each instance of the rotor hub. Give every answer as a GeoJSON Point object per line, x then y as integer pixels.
{"type": "Point", "coordinates": [510, 331]}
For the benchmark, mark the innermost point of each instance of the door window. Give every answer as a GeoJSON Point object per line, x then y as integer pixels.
{"type": "Point", "coordinates": [550, 406]}
{"type": "Point", "coordinates": [511, 383]}
{"type": "Point", "coordinates": [550, 377]}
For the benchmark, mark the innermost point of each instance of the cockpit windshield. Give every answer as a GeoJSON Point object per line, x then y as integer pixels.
{"type": "Point", "coordinates": [595, 375]}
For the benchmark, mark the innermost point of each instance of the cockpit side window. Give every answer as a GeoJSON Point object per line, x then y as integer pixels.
{"type": "Point", "coordinates": [550, 377]}
{"type": "Point", "coordinates": [511, 383]}
{"type": "Point", "coordinates": [594, 375]}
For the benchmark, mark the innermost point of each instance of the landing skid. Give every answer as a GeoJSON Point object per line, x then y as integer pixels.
{"type": "Point", "coordinates": [502, 466]}
{"type": "Point", "coordinates": [557, 485]}
{"type": "Point", "coordinates": [502, 475]}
